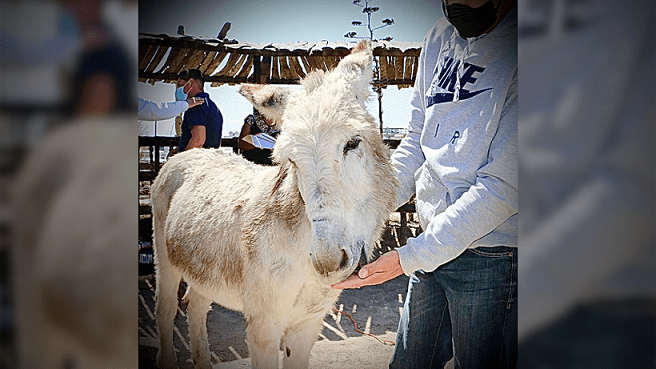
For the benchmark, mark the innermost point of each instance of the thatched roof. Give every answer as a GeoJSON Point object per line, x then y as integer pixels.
{"type": "Point", "coordinates": [162, 56]}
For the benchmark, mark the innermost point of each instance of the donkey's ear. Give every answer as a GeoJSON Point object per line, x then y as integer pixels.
{"type": "Point", "coordinates": [269, 100]}
{"type": "Point", "coordinates": [356, 69]}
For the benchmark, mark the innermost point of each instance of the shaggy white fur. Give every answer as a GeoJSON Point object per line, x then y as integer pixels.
{"type": "Point", "coordinates": [269, 241]}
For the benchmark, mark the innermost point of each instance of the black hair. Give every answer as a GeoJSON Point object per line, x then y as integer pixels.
{"type": "Point", "coordinates": [192, 73]}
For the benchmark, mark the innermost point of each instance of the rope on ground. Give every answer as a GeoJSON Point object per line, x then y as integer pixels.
{"type": "Point", "coordinates": [355, 325]}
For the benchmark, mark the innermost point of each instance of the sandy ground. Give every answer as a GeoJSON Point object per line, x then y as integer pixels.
{"type": "Point", "coordinates": [376, 309]}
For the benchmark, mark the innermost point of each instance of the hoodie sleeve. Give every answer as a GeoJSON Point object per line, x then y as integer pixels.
{"type": "Point", "coordinates": [489, 202]}
{"type": "Point", "coordinates": [408, 156]}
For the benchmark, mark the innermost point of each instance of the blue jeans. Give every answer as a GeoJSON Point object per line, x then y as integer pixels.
{"type": "Point", "coordinates": [466, 308]}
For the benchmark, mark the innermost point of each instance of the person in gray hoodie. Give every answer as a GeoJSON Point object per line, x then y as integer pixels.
{"type": "Point", "coordinates": [460, 160]}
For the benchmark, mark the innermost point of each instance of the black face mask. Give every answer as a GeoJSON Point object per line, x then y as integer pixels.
{"type": "Point", "coordinates": [470, 22]}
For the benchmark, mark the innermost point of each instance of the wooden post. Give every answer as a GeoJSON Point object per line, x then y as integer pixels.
{"type": "Point", "coordinates": [404, 224]}
{"type": "Point", "coordinates": [257, 69]}
{"type": "Point", "coordinates": [265, 69]}
{"type": "Point", "coordinates": [380, 109]}
{"type": "Point", "coordinates": [157, 148]}
{"type": "Point", "coordinates": [379, 90]}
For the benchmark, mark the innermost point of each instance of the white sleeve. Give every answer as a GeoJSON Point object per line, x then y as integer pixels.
{"type": "Point", "coordinates": [149, 110]}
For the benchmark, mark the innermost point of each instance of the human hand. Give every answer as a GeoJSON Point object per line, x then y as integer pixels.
{"type": "Point", "coordinates": [382, 270]}
{"type": "Point", "coordinates": [195, 101]}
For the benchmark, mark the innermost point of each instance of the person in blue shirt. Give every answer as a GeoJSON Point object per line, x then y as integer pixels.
{"type": "Point", "coordinates": [201, 125]}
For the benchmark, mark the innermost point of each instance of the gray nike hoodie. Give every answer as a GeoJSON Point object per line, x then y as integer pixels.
{"type": "Point", "coordinates": [460, 154]}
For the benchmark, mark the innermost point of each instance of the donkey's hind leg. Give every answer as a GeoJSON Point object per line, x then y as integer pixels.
{"type": "Point", "coordinates": [197, 309]}
{"type": "Point", "coordinates": [166, 294]}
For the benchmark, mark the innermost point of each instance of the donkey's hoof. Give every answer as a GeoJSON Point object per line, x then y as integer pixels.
{"type": "Point", "coordinates": [204, 363]}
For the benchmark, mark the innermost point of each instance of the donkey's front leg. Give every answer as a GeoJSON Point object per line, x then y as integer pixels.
{"type": "Point", "coordinates": [263, 342]}
{"type": "Point", "coordinates": [298, 343]}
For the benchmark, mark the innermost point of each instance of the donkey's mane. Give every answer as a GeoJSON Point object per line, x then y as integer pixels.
{"type": "Point", "coordinates": [288, 204]}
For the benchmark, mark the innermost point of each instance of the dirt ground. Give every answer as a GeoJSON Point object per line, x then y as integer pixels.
{"type": "Point", "coordinates": [376, 310]}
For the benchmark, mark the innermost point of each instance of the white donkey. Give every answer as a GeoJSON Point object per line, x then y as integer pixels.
{"type": "Point", "coordinates": [269, 241]}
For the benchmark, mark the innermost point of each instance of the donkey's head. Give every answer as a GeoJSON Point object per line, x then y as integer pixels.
{"type": "Point", "coordinates": [333, 147]}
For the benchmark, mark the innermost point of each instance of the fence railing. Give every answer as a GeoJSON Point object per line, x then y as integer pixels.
{"type": "Point", "coordinates": [148, 170]}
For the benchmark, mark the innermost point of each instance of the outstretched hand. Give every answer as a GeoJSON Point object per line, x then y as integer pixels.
{"type": "Point", "coordinates": [381, 270]}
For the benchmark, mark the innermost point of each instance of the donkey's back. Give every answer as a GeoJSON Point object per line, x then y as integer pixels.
{"type": "Point", "coordinates": [201, 200]}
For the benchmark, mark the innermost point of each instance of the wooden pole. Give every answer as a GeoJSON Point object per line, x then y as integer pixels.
{"type": "Point", "coordinates": [257, 69]}
{"type": "Point", "coordinates": [380, 108]}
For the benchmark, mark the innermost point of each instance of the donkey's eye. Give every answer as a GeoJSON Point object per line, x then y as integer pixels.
{"type": "Point", "coordinates": [352, 144]}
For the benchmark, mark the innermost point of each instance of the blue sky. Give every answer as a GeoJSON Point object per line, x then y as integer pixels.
{"type": "Point", "coordinates": [282, 21]}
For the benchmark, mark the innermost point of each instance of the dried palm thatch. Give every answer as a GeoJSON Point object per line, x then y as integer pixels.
{"type": "Point", "coordinates": [223, 61]}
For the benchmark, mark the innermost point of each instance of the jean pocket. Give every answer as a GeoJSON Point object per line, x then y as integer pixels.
{"type": "Point", "coordinates": [494, 252]}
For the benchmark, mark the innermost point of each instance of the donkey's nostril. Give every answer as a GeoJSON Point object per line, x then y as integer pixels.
{"type": "Point", "coordinates": [344, 262]}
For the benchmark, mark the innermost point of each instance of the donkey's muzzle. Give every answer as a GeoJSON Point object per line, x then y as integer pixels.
{"type": "Point", "coordinates": [330, 251]}
{"type": "Point", "coordinates": [328, 264]}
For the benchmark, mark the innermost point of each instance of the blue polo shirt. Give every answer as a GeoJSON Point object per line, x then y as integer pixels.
{"type": "Point", "coordinates": [206, 114]}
